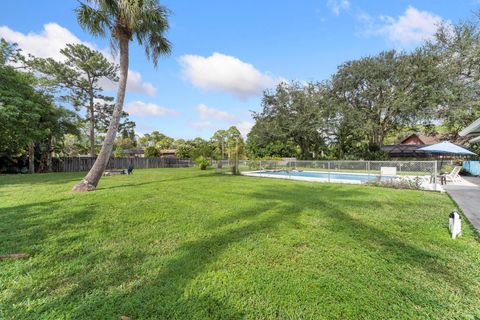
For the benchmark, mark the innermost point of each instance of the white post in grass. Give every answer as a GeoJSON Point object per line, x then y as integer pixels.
{"type": "Point", "coordinates": [455, 224]}
{"type": "Point", "coordinates": [435, 175]}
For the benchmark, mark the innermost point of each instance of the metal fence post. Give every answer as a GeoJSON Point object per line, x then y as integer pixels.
{"type": "Point", "coordinates": [435, 175]}
{"type": "Point", "coordinates": [328, 170]}
{"type": "Point", "coordinates": [368, 170]}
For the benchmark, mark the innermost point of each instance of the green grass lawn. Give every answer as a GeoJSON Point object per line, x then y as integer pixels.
{"type": "Point", "coordinates": [187, 244]}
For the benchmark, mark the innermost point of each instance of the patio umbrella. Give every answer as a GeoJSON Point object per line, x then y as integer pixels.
{"type": "Point", "coordinates": [447, 148]}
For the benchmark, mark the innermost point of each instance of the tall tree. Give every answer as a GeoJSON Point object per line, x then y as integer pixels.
{"type": "Point", "coordinates": [382, 93]}
{"type": "Point", "coordinates": [123, 20]}
{"type": "Point", "coordinates": [103, 114]}
{"type": "Point", "coordinates": [295, 112]}
{"type": "Point", "coordinates": [235, 143]}
{"type": "Point", "coordinates": [80, 75]}
{"type": "Point", "coordinates": [56, 122]}
{"type": "Point", "coordinates": [458, 47]}
{"type": "Point", "coordinates": [28, 116]}
{"type": "Point", "coordinates": [219, 138]}
{"type": "Point", "coordinates": [156, 139]}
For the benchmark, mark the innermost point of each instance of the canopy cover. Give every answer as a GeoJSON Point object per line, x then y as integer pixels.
{"type": "Point", "coordinates": [447, 148]}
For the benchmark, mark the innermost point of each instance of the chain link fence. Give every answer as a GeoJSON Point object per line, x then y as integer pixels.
{"type": "Point", "coordinates": [336, 171]}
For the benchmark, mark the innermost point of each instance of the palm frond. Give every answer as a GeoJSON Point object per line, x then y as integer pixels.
{"type": "Point", "coordinates": [157, 46]}
{"type": "Point", "coordinates": [95, 21]}
{"type": "Point", "coordinates": [150, 28]}
{"type": "Point", "coordinates": [145, 20]}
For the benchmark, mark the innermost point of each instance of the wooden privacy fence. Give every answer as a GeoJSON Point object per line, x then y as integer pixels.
{"type": "Point", "coordinates": [76, 164]}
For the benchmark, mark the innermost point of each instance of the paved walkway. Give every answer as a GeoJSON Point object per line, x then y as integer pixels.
{"type": "Point", "coordinates": [468, 199]}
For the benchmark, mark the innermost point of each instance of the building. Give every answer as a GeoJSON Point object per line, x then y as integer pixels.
{"type": "Point", "coordinates": [418, 138]}
{"type": "Point", "coordinates": [136, 153]}
{"type": "Point", "coordinates": [168, 153]}
{"type": "Point", "coordinates": [472, 131]}
{"type": "Point", "coordinates": [140, 153]}
{"type": "Point", "coordinates": [409, 146]}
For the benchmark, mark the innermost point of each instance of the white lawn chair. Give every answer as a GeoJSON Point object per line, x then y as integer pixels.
{"type": "Point", "coordinates": [454, 176]}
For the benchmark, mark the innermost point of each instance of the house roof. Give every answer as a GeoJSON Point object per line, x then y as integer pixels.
{"type": "Point", "coordinates": [133, 151]}
{"type": "Point", "coordinates": [404, 149]}
{"type": "Point", "coordinates": [473, 129]}
{"type": "Point", "coordinates": [168, 151]}
{"type": "Point", "coordinates": [475, 140]}
{"type": "Point", "coordinates": [425, 139]}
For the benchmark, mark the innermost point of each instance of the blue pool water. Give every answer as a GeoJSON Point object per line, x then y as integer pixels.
{"type": "Point", "coordinates": [324, 175]}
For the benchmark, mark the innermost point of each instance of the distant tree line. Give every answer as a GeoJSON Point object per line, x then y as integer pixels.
{"type": "Point", "coordinates": [224, 144]}
{"type": "Point", "coordinates": [59, 108]}
{"type": "Point", "coordinates": [35, 93]}
{"type": "Point", "coordinates": [371, 101]}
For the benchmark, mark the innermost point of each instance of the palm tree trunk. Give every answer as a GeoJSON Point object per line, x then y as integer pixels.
{"type": "Point", "coordinates": [92, 129]}
{"type": "Point", "coordinates": [31, 157]}
{"type": "Point", "coordinates": [89, 183]}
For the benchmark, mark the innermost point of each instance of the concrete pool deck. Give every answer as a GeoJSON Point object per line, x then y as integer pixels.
{"type": "Point", "coordinates": [467, 197]}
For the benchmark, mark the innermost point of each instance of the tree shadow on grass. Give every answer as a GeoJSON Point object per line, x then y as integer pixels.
{"type": "Point", "coordinates": [43, 230]}
{"type": "Point", "coordinates": [161, 295]}
{"type": "Point", "coordinates": [58, 178]}
{"type": "Point", "coordinates": [131, 185]}
{"type": "Point", "coordinates": [389, 244]}
{"type": "Point", "coordinates": [55, 178]}
{"type": "Point", "coordinates": [125, 288]}
{"type": "Point", "coordinates": [195, 256]}
{"type": "Point", "coordinates": [26, 226]}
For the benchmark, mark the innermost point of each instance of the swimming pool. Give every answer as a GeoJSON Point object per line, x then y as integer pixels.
{"type": "Point", "coordinates": [346, 177]}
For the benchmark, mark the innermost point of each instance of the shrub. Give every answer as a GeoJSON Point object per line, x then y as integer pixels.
{"type": "Point", "coordinates": [151, 152]}
{"type": "Point", "coordinates": [202, 163]}
{"type": "Point", "coordinates": [253, 165]}
{"type": "Point", "coordinates": [415, 184]}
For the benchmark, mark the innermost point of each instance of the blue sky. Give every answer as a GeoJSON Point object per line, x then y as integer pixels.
{"type": "Point", "coordinates": [226, 52]}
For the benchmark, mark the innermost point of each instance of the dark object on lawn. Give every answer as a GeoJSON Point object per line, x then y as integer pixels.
{"type": "Point", "coordinates": [130, 169]}
{"type": "Point", "coordinates": [15, 256]}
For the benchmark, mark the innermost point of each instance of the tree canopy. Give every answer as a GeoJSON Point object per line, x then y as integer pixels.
{"type": "Point", "coordinates": [375, 99]}
{"type": "Point", "coordinates": [28, 115]}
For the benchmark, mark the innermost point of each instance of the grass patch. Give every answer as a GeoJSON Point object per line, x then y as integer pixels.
{"type": "Point", "coordinates": [190, 244]}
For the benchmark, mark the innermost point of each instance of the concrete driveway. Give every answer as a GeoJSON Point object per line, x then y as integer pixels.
{"type": "Point", "coordinates": [468, 199]}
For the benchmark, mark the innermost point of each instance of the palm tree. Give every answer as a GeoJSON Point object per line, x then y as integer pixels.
{"type": "Point", "coordinates": [122, 20]}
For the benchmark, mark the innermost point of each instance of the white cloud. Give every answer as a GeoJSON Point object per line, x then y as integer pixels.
{"type": "Point", "coordinates": [46, 44]}
{"type": "Point", "coordinates": [53, 38]}
{"type": "Point", "coordinates": [143, 109]}
{"type": "Point", "coordinates": [244, 127]}
{"type": "Point", "coordinates": [338, 5]}
{"type": "Point", "coordinates": [207, 113]}
{"type": "Point", "coordinates": [211, 118]}
{"type": "Point", "coordinates": [135, 84]}
{"type": "Point", "coordinates": [221, 72]}
{"type": "Point", "coordinates": [413, 27]}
